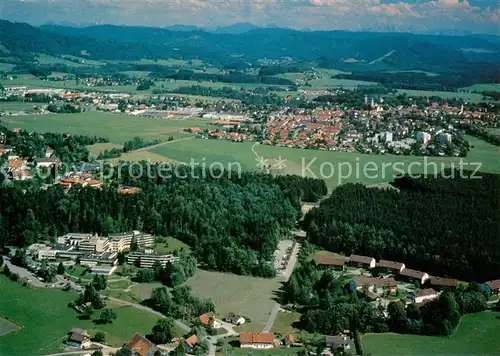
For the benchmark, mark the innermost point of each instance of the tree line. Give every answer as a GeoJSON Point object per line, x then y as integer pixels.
{"type": "Point", "coordinates": [443, 226]}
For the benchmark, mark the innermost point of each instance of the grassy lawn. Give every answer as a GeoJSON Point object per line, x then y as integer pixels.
{"type": "Point", "coordinates": [321, 254]}
{"type": "Point", "coordinates": [101, 147]}
{"type": "Point", "coordinates": [484, 87]}
{"type": "Point", "coordinates": [473, 97]}
{"type": "Point", "coordinates": [142, 291]}
{"type": "Point", "coordinates": [117, 127]}
{"type": "Point", "coordinates": [45, 318]}
{"type": "Point", "coordinates": [477, 335]}
{"type": "Point", "coordinates": [169, 245]}
{"type": "Point", "coordinates": [248, 296]}
{"type": "Point", "coordinates": [284, 323]}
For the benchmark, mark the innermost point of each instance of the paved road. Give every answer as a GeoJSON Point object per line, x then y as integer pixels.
{"type": "Point", "coordinates": [23, 273]}
{"type": "Point", "coordinates": [288, 272]}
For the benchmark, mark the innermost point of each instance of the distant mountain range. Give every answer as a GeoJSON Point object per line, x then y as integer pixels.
{"type": "Point", "coordinates": [246, 43]}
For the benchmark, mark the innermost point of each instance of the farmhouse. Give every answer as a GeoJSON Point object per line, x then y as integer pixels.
{"type": "Point", "coordinates": [390, 266]}
{"type": "Point", "coordinates": [235, 319]}
{"type": "Point", "coordinates": [190, 343]}
{"type": "Point", "coordinates": [141, 346]}
{"type": "Point", "coordinates": [336, 264]}
{"type": "Point", "coordinates": [342, 341]}
{"type": "Point", "coordinates": [256, 340]}
{"type": "Point", "coordinates": [441, 283]}
{"type": "Point", "coordinates": [494, 285]}
{"type": "Point", "coordinates": [209, 321]}
{"type": "Point", "coordinates": [78, 338]}
{"type": "Point", "coordinates": [426, 295]}
{"type": "Point", "coordinates": [414, 276]}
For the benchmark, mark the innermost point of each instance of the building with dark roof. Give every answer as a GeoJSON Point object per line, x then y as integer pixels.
{"type": "Point", "coordinates": [414, 276]}
{"type": "Point", "coordinates": [391, 266]}
{"type": "Point", "coordinates": [362, 261]}
{"type": "Point", "coordinates": [332, 262]}
{"type": "Point", "coordinates": [438, 282]}
{"type": "Point", "coordinates": [140, 346]}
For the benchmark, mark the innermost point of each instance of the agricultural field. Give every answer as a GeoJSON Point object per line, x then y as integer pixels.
{"type": "Point", "coordinates": [483, 87]}
{"type": "Point", "coordinates": [117, 127]}
{"type": "Point", "coordinates": [335, 167]}
{"type": "Point", "coordinates": [249, 296]}
{"type": "Point", "coordinates": [476, 335]}
{"type": "Point", "coordinates": [16, 106]}
{"type": "Point", "coordinates": [46, 319]}
{"type": "Point", "coordinates": [472, 97]}
{"type": "Point", "coordinates": [6, 67]}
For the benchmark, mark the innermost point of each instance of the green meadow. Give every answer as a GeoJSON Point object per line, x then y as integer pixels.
{"type": "Point", "coordinates": [476, 335]}
{"type": "Point", "coordinates": [46, 319]}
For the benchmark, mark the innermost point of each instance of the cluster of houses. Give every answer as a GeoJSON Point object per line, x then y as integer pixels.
{"type": "Point", "coordinates": [18, 168]}
{"type": "Point", "coordinates": [370, 285]}
{"type": "Point", "coordinates": [101, 253]}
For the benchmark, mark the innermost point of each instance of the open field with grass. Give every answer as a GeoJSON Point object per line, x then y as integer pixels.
{"type": "Point", "coordinates": [316, 256]}
{"type": "Point", "coordinates": [484, 87]}
{"type": "Point", "coordinates": [101, 147]}
{"type": "Point", "coordinates": [335, 167]}
{"type": "Point", "coordinates": [472, 97]}
{"type": "Point", "coordinates": [248, 296]}
{"type": "Point", "coordinates": [15, 106]}
{"type": "Point", "coordinates": [169, 245]}
{"type": "Point", "coordinates": [476, 335]}
{"type": "Point", "coordinates": [117, 127]}
{"type": "Point", "coordinates": [46, 319]}
{"type": "Point", "coordinates": [284, 323]}
{"type": "Point", "coordinates": [6, 67]}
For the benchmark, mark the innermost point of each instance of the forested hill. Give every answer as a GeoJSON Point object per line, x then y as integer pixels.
{"type": "Point", "coordinates": [362, 50]}
{"type": "Point", "coordinates": [232, 223]}
{"type": "Point", "coordinates": [445, 227]}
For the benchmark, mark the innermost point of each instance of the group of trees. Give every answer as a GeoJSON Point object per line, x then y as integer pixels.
{"type": "Point", "coordinates": [68, 148]}
{"type": "Point", "coordinates": [329, 307]}
{"type": "Point", "coordinates": [232, 223]}
{"type": "Point", "coordinates": [482, 133]}
{"type": "Point", "coordinates": [65, 108]}
{"type": "Point", "coordinates": [172, 274]}
{"type": "Point", "coordinates": [425, 224]}
{"type": "Point", "coordinates": [179, 303]}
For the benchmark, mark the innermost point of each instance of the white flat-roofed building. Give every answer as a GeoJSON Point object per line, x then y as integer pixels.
{"type": "Point", "coordinates": [147, 258]}
{"type": "Point", "coordinates": [94, 244]}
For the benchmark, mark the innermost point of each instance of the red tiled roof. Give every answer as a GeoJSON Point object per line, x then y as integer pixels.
{"type": "Point", "coordinates": [205, 319]}
{"type": "Point", "coordinates": [426, 292]}
{"type": "Point", "coordinates": [444, 282]}
{"type": "Point", "coordinates": [140, 345]}
{"type": "Point", "coordinates": [192, 340]}
{"type": "Point", "coordinates": [331, 261]}
{"type": "Point", "coordinates": [495, 284]}
{"type": "Point", "coordinates": [256, 338]}
{"type": "Point", "coordinates": [412, 273]}
{"type": "Point", "coordinates": [390, 264]}
{"type": "Point", "coordinates": [360, 259]}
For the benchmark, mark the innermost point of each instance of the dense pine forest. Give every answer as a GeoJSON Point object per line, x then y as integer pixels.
{"type": "Point", "coordinates": [443, 226]}
{"type": "Point", "coordinates": [233, 224]}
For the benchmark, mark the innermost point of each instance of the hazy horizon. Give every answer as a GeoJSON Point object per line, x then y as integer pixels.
{"type": "Point", "coordinates": [414, 16]}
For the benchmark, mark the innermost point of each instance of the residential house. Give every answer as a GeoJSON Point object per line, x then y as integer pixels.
{"type": "Point", "coordinates": [46, 162]}
{"type": "Point", "coordinates": [426, 295]}
{"type": "Point", "coordinates": [387, 284]}
{"type": "Point", "coordinates": [256, 340]}
{"type": "Point", "coordinates": [414, 276]}
{"type": "Point", "coordinates": [209, 321]}
{"type": "Point", "coordinates": [235, 319]}
{"type": "Point", "coordinates": [289, 340]}
{"type": "Point", "coordinates": [392, 267]}
{"type": "Point", "coordinates": [362, 261]}
{"type": "Point", "coordinates": [343, 341]}
{"type": "Point", "coordinates": [494, 285]}
{"type": "Point", "coordinates": [190, 343]}
{"type": "Point", "coordinates": [336, 264]}
{"type": "Point", "coordinates": [140, 346]}
{"type": "Point", "coordinates": [78, 338]}
{"type": "Point", "coordinates": [442, 283]}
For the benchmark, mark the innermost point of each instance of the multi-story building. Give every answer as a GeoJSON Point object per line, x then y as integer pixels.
{"type": "Point", "coordinates": [122, 241]}
{"type": "Point", "coordinates": [146, 258]}
{"type": "Point", "coordinates": [94, 244]}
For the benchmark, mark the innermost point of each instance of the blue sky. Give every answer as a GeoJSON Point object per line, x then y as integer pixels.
{"type": "Point", "coordinates": [476, 16]}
